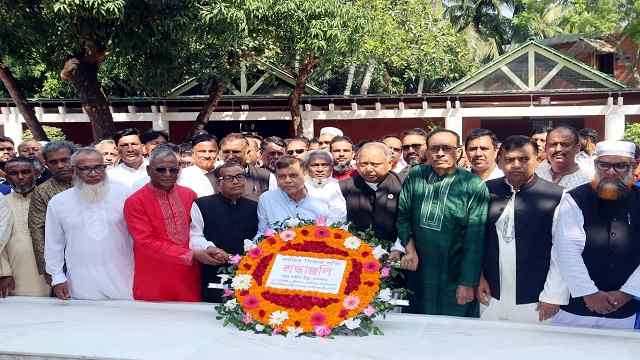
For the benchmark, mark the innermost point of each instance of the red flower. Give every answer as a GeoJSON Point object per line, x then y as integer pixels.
{"type": "Point", "coordinates": [255, 252]}
{"type": "Point", "coordinates": [343, 313]}
{"type": "Point", "coordinates": [371, 266]}
{"type": "Point", "coordinates": [304, 232]}
{"type": "Point", "coordinates": [337, 236]}
{"type": "Point", "coordinates": [250, 302]}
{"type": "Point", "coordinates": [262, 313]}
{"type": "Point", "coordinates": [247, 266]}
{"type": "Point", "coordinates": [322, 232]}
{"type": "Point", "coordinates": [318, 319]}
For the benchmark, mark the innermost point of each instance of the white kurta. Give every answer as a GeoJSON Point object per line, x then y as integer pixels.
{"type": "Point", "coordinates": [16, 247]}
{"type": "Point", "coordinates": [275, 206]}
{"type": "Point", "coordinates": [92, 240]}
{"type": "Point", "coordinates": [330, 191]}
{"type": "Point", "coordinates": [569, 181]}
{"type": "Point", "coordinates": [569, 240]}
{"type": "Point", "coordinates": [586, 163]}
{"type": "Point", "coordinates": [128, 176]}
{"type": "Point", "coordinates": [554, 291]}
{"type": "Point", "coordinates": [195, 179]}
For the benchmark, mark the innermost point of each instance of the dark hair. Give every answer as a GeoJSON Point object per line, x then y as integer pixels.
{"type": "Point", "coordinates": [126, 132]}
{"type": "Point", "coordinates": [478, 133]}
{"type": "Point", "coordinates": [571, 129]}
{"type": "Point", "coordinates": [298, 138]}
{"type": "Point", "coordinates": [251, 135]}
{"type": "Point", "coordinates": [272, 140]}
{"type": "Point", "coordinates": [390, 137]}
{"type": "Point", "coordinates": [56, 146]}
{"type": "Point", "coordinates": [442, 130]}
{"type": "Point", "coordinates": [197, 139]}
{"type": "Point", "coordinates": [7, 139]}
{"type": "Point", "coordinates": [540, 130]}
{"type": "Point", "coordinates": [414, 131]}
{"type": "Point", "coordinates": [516, 142]}
{"type": "Point", "coordinates": [20, 159]}
{"type": "Point", "coordinates": [314, 141]}
{"type": "Point", "coordinates": [184, 147]}
{"type": "Point", "coordinates": [234, 136]}
{"type": "Point", "coordinates": [589, 133]}
{"type": "Point", "coordinates": [286, 161]}
{"type": "Point", "coordinates": [151, 135]}
{"type": "Point", "coordinates": [337, 139]}
{"type": "Point", "coordinates": [227, 164]}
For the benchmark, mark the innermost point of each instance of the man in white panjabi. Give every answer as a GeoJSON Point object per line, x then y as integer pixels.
{"type": "Point", "coordinates": [560, 166]}
{"type": "Point", "coordinates": [205, 153]}
{"type": "Point", "coordinates": [595, 239]}
{"type": "Point", "coordinates": [18, 270]}
{"type": "Point", "coordinates": [132, 168]}
{"type": "Point", "coordinates": [86, 232]}
{"type": "Point", "coordinates": [319, 182]}
{"type": "Point", "coordinates": [519, 281]}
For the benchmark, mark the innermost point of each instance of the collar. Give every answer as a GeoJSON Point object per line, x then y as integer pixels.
{"type": "Point", "coordinates": [529, 184]}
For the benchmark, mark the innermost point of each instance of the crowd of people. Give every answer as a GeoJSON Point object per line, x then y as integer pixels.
{"type": "Point", "coordinates": [539, 228]}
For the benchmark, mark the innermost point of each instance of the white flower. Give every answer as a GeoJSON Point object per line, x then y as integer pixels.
{"type": "Point", "coordinates": [293, 222]}
{"type": "Point", "coordinates": [385, 295]}
{"type": "Point", "coordinates": [224, 278]}
{"type": "Point", "coordinates": [231, 304]}
{"type": "Point", "coordinates": [293, 331]}
{"type": "Point", "coordinates": [352, 243]}
{"type": "Point", "coordinates": [278, 317]}
{"type": "Point", "coordinates": [248, 245]}
{"type": "Point", "coordinates": [241, 282]}
{"type": "Point", "coordinates": [259, 327]}
{"type": "Point", "coordinates": [352, 323]}
{"type": "Point", "coordinates": [378, 252]}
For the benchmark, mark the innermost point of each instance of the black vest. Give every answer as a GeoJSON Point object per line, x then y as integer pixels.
{"type": "Point", "coordinates": [534, 207]}
{"type": "Point", "coordinates": [612, 247]}
{"type": "Point", "coordinates": [226, 225]}
{"type": "Point", "coordinates": [373, 208]}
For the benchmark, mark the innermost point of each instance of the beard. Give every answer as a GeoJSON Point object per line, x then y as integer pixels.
{"type": "Point", "coordinates": [92, 193]}
{"type": "Point", "coordinates": [341, 168]}
{"type": "Point", "coordinates": [24, 189]}
{"type": "Point", "coordinates": [611, 188]}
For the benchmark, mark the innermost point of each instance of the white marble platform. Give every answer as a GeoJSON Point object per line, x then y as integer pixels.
{"type": "Point", "coordinates": [38, 328]}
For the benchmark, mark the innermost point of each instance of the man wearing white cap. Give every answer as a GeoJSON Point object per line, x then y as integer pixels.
{"type": "Point", "coordinates": [596, 239]}
{"type": "Point", "coordinates": [326, 135]}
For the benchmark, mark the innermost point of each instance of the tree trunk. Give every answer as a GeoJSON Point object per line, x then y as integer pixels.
{"type": "Point", "coordinates": [368, 75]}
{"type": "Point", "coordinates": [82, 73]}
{"type": "Point", "coordinates": [304, 71]}
{"type": "Point", "coordinates": [420, 85]}
{"type": "Point", "coordinates": [215, 94]}
{"type": "Point", "coordinates": [349, 85]}
{"type": "Point", "coordinates": [21, 103]}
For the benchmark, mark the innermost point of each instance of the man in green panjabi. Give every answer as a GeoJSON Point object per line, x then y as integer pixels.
{"type": "Point", "coordinates": [442, 212]}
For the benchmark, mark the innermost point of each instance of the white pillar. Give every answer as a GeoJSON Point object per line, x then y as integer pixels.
{"type": "Point", "coordinates": [614, 125]}
{"type": "Point", "coordinates": [12, 124]}
{"type": "Point", "coordinates": [160, 122]}
{"type": "Point", "coordinates": [307, 125]}
{"type": "Point", "coordinates": [453, 120]}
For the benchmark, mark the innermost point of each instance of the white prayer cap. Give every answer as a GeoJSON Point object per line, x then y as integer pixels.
{"type": "Point", "coordinates": [616, 147]}
{"type": "Point", "coordinates": [331, 131]}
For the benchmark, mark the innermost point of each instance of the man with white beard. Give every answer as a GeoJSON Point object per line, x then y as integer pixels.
{"type": "Point", "coordinates": [86, 234]}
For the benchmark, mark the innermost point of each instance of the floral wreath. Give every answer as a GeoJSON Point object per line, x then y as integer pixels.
{"type": "Point", "coordinates": [364, 292]}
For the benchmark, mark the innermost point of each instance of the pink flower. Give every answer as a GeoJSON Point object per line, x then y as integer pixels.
{"type": "Point", "coordinates": [255, 252]}
{"type": "Point", "coordinates": [235, 259]}
{"type": "Point", "coordinates": [321, 221]}
{"type": "Point", "coordinates": [287, 235]}
{"type": "Point", "coordinates": [371, 266]}
{"type": "Point", "coordinates": [250, 302]}
{"type": "Point", "coordinates": [246, 318]}
{"type": "Point", "coordinates": [321, 232]}
{"type": "Point", "coordinates": [322, 330]}
{"type": "Point", "coordinates": [351, 302]}
{"type": "Point", "coordinates": [268, 232]}
{"type": "Point", "coordinates": [275, 331]}
{"type": "Point", "coordinates": [385, 271]}
{"type": "Point", "coordinates": [369, 311]}
{"type": "Point", "coordinates": [318, 319]}
{"type": "Point", "coordinates": [227, 292]}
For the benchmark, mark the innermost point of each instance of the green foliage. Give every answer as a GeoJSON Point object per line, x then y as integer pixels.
{"type": "Point", "coordinates": [54, 134]}
{"type": "Point", "coordinates": [632, 132]}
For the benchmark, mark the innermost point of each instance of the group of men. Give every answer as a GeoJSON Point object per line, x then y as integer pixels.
{"type": "Point", "coordinates": [539, 228]}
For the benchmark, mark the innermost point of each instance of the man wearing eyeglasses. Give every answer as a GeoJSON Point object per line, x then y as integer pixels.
{"type": "Point", "coordinates": [158, 217]}
{"type": "Point", "coordinates": [441, 218]}
{"type": "Point", "coordinates": [297, 147]}
{"type": "Point", "coordinates": [88, 248]}
{"type": "Point", "coordinates": [211, 218]}
{"type": "Point", "coordinates": [395, 145]}
{"type": "Point", "coordinates": [595, 240]}
{"type": "Point", "coordinates": [414, 147]}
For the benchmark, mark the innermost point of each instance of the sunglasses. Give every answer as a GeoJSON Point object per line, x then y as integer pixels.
{"type": "Point", "coordinates": [170, 170]}
{"type": "Point", "coordinates": [296, 151]}
{"type": "Point", "coordinates": [230, 178]}
{"type": "Point", "coordinates": [621, 167]}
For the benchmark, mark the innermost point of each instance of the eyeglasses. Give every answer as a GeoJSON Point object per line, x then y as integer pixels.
{"type": "Point", "coordinates": [88, 169]}
{"type": "Point", "coordinates": [621, 167]}
{"type": "Point", "coordinates": [296, 151]}
{"type": "Point", "coordinates": [415, 147]}
{"type": "Point", "coordinates": [444, 148]}
{"type": "Point", "coordinates": [170, 170]}
{"type": "Point", "coordinates": [239, 177]}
